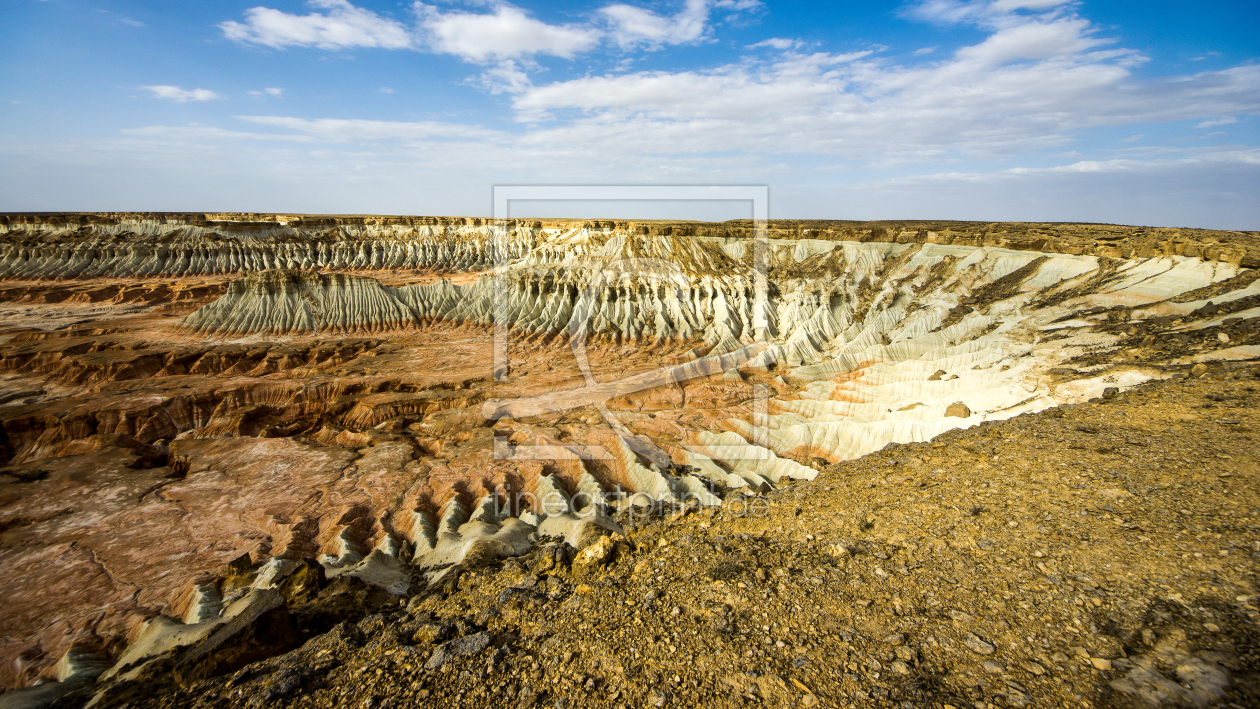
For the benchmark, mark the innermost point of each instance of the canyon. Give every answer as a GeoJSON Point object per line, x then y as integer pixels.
{"type": "Point", "coordinates": [199, 411]}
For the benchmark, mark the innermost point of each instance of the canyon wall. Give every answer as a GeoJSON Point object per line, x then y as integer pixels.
{"type": "Point", "coordinates": [388, 397]}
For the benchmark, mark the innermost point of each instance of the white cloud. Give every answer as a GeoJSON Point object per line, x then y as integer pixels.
{"type": "Point", "coordinates": [1195, 189]}
{"type": "Point", "coordinates": [345, 130]}
{"type": "Point", "coordinates": [507, 76]}
{"type": "Point", "coordinates": [631, 26]}
{"type": "Point", "coordinates": [1132, 138]}
{"type": "Point", "coordinates": [774, 43]}
{"type": "Point", "coordinates": [304, 172]}
{"type": "Point", "coordinates": [634, 25]}
{"type": "Point", "coordinates": [386, 90]}
{"type": "Point", "coordinates": [1012, 5]}
{"type": "Point", "coordinates": [342, 27]}
{"type": "Point", "coordinates": [1039, 78]}
{"type": "Point", "coordinates": [1227, 120]}
{"type": "Point", "coordinates": [999, 13]}
{"type": "Point", "coordinates": [924, 50]}
{"type": "Point", "coordinates": [179, 95]}
{"type": "Point", "coordinates": [506, 33]}
{"type": "Point", "coordinates": [199, 133]}
{"type": "Point", "coordinates": [1024, 87]}
{"type": "Point", "coordinates": [1249, 156]}
{"type": "Point", "coordinates": [266, 92]}
{"type": "Point", "coordinates": [1036, 40]}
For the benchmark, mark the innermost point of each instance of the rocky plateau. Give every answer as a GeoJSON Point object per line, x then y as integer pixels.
{"type": "Point", "coordinates": [324, 461]}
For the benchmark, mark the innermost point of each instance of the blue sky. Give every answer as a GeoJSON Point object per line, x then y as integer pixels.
{"type": "Point", "coordinates": [1127, 112]}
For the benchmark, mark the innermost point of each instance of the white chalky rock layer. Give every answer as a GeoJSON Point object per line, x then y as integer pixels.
{"type": "Point", "coordinates": [869, 343]}
{"type": "Point", "coordinates": [164, 250]}
{"type": "Point", "coordinates": [858, 331]}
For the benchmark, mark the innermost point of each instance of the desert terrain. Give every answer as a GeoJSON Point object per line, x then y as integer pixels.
{"type": "Point", "coordinates": [290, 460]}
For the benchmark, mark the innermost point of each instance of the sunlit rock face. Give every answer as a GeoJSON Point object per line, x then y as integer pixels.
{"type": "Point", "coordinates": [386, 394]}
{"type": "Point", "coordinates": [871, 343]}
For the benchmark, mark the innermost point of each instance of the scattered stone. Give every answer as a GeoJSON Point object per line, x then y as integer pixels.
{"type": "Point", "coordinates": [977, 645]}
{"type": "Point", "coordinates": [1035, 668]}
{"type": "Point", "coordinates": [459, 647]}
{"type": "Point", "coordinates": [591, 559]}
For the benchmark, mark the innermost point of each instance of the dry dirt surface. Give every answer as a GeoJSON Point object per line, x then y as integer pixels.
{"type": "Point", "coordinates": [282, 460]}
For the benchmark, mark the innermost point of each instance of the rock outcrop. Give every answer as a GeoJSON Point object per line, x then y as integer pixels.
{"type": "Point", "coordinates": [283, 302]}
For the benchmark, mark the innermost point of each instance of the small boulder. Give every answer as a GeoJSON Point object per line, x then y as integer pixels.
{"type": "Point", "coordinates": [958, 410]}
{"type": "Point", "coordinates": [240, 573]}
{"type": "Point", "coordinates": [459, 647]}
{"type": "Point", "coordinates": [303, 584]}
{"type": "Point", "coordinates": [430, 633]}
{"type": "Point", "coordinates": [593, 558]}
{"type": "Point", "coordinates": [977, 645]}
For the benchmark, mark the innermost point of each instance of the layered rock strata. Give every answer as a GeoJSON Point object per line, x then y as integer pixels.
{"type": "Point", "coordinates": [393, 399]}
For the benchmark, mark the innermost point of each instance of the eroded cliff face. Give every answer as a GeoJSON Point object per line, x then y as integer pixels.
{"type": "Point", "coordinates": [393, 397]}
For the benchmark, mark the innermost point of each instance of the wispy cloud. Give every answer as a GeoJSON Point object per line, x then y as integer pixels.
{"type": "Point", "coordinates": [502, 32]}
{"type": "Point", "coordinates": [507, 32]}
{"type": "Point", "coordinates": [196, 133]}
{"type": "Point", "coordinates": [1246, 156]}
{"type": "Point", "coordinates": [1041, 75]}
{"type": "Point", "coordinates": [266, 92]}
{"type": "Point", "coordinates": [344, 26]}
{"type": "Point", "coordinates": [345, 130]}
{"type": "Point", "coordinates": [631, 26]}
{"type": "Point", "coordinates": [987, 13]}
{"type": "Point", "coordinates": [178, 95]}
{"type": "Point", "coordinates": [1218, 122]}
{"type": "Point", "coordinates": [634, 25]}
{"type": "Point", "coordinates": [859, 107]}
{"type": "Point", "coordinates": [774, 43]}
